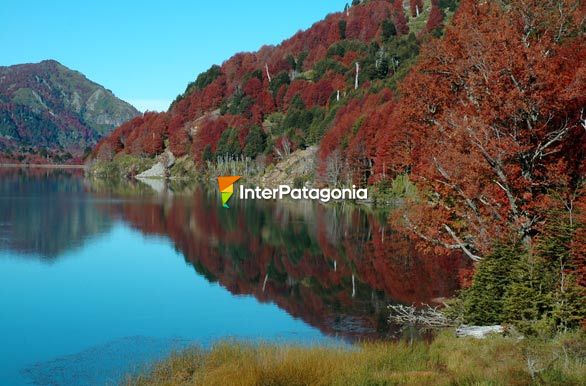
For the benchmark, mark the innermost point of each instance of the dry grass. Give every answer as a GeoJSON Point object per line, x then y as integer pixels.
{"type": "Point", "coordinates": [446, 361]}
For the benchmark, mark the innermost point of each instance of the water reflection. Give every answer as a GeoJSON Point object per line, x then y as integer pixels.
{"type": "Point", "coordinates": [336, 267]}
{"type": "Point", "coordinates": [44, 213]}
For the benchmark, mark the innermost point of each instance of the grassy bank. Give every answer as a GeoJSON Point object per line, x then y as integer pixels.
{"type": "Point", "coordinates": [446, 361]}
{"type": "Point", "coordinates": [121, 166]}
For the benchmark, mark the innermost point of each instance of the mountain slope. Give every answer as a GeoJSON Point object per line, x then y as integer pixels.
{"type": "Point", "coordinates": [49, 110]}
{"type": "Point", "coordinates": [283, 97]}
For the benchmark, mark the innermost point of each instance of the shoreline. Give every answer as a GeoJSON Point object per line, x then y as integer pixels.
{"type": "Point", "coordinates": [41, 166]}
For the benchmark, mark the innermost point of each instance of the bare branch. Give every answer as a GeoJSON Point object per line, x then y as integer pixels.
{"type": "Point", "coordinates": [461, 244]}
{"type": "Point", "coordinates": [429, 317]}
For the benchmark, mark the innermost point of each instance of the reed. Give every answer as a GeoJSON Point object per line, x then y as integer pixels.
{"type": "Point", "coordinates": [446, 361]}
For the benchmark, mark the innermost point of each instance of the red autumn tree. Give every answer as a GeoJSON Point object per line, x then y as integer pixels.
{"type": "Point", "coordinates": [491, 122]}
{"type": "Point", "coordinates": [436, 17]}
{"type": "Point", "coordinates": [348, 149]}
{"type": "Point", "coordinates": [399, 18]}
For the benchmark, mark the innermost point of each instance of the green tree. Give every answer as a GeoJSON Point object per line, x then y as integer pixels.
{"type": "Point", "coordinates": [558, 296]}
{"type": "Point", "coordinates": [228, 145]}
{"type": "Point", "coordinates": [450, 5]}
{"type": "Point", "coordinates": [238, 104]}
{"type": "Point", "coordinates": [483, 301]}
{"type": "Point", "coordinates": [282, 78]}
{"type": "Point", "coordinates": [202, 81]}
{"type": "Point", "coordinates": [256, 142]}
{"type": "Point", "coordinates": [389, 30]}
{"type": "Point", "coordinates": [534, 291]}
{"type": "Point", "coordinates": [342, 29]}
{"type": "Point", "coordinates": [297, 103]}
{"type": "Point", "coordinates": [208, 154]}
{"type": "Point", "coordinates": [326, 65]}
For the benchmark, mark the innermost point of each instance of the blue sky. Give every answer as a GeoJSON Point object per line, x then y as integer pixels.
{"type": "Point", "coordinates": [147, 51]}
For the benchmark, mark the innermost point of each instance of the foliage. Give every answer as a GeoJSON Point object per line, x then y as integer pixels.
{"type": "Point", "coordinates": [238, 104]}
{"type": "Point", "coordinates": [320, 124]}
{"type": "Point", "coordinates": [448, 4]}
{"type": "Point", "coordinates": [436, 18]}
{"type": "Point", "coordinates": [122, 166]}
{"type": "Point", "coordinates": [281, 79]}
{"type": "Point", "coordinates": [388, 191]}
{"type": "Point", "coordinates": [202, 81]}
{"type": "Point", "coordinates": [399, 18]}
{"type": "Point", "coordinates": [534, 290]}
{"type": "Point", "coordinates": [484, 300]}
{"type": "Point", "coordinates": [229, 145]}
{"type": "Point", "coordinates": [327, 65]}
{"type": "Point", "coordinates": [489, 133]}
{"type": "Point", "coordinates": [256, 142]}
{"type": "Point", "coordinates": [389, 30]}
{"type": "Point", "coordinates": [341, 48]}
{"type": "Point", "coordinates": [342, 28]}
{"type": "Point", "coordinates": [208, 155]}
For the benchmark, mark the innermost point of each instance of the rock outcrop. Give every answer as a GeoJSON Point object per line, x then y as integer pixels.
{"type": "Point", "coordinates": [296, 168]}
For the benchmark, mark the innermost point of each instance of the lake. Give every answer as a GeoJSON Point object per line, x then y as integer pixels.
{"type": "Point", "coordinates": [100, 278]}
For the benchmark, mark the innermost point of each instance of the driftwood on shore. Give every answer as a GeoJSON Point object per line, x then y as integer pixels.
{"type": "Point", "coordinates": [427, 317]}
{"type": "Point", "coordinates": [432, 318]}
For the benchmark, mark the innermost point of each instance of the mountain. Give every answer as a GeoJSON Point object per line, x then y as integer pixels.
{"type": "Point", "coordinates": [48, 111]}
{"type": "Point", "coordinates": [286, 96]}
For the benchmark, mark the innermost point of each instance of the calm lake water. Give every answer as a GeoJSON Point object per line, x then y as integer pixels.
{"type": "Point", "coordinates": [98, 279]}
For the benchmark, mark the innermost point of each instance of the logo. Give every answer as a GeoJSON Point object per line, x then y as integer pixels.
{"type": "Point", "coordinates": [324, 194]}
{"type": "Point", "coordinates": [226, 185]}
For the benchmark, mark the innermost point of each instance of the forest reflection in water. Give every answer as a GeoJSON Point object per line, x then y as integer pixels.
{"type": "Point", "coordinates": [336, 267]}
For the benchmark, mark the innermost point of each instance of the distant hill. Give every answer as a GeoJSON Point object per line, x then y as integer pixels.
{"type": "Point", "coordinates": [49, 112]}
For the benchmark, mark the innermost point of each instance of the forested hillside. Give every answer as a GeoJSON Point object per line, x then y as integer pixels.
{"type": "Point", "coordinates": [282, 98]}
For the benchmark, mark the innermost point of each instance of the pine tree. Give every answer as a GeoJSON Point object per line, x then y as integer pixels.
{"type": "Point", "coordinates": [535, 291]}
{"type": "Point", "coordinates": [566, 307]}
{"type": "Point", "coordinates": [483, 301]}
{"type": "Point", "coordinates": [342, 29]}
{"type": "Point", "coordinates": [207, 154]}
{"type": "Point", "coordinates": [255, 142]}
{"type": "Point", "coordinates": [228, 145]}
{"type": "Point", "coordinates": [529, 295]}
{"type": "Point", "coordinates": [388, 30]}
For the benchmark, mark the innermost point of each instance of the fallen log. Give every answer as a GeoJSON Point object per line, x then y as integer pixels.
{"type": "Point", "coordinates": [478, 332]}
